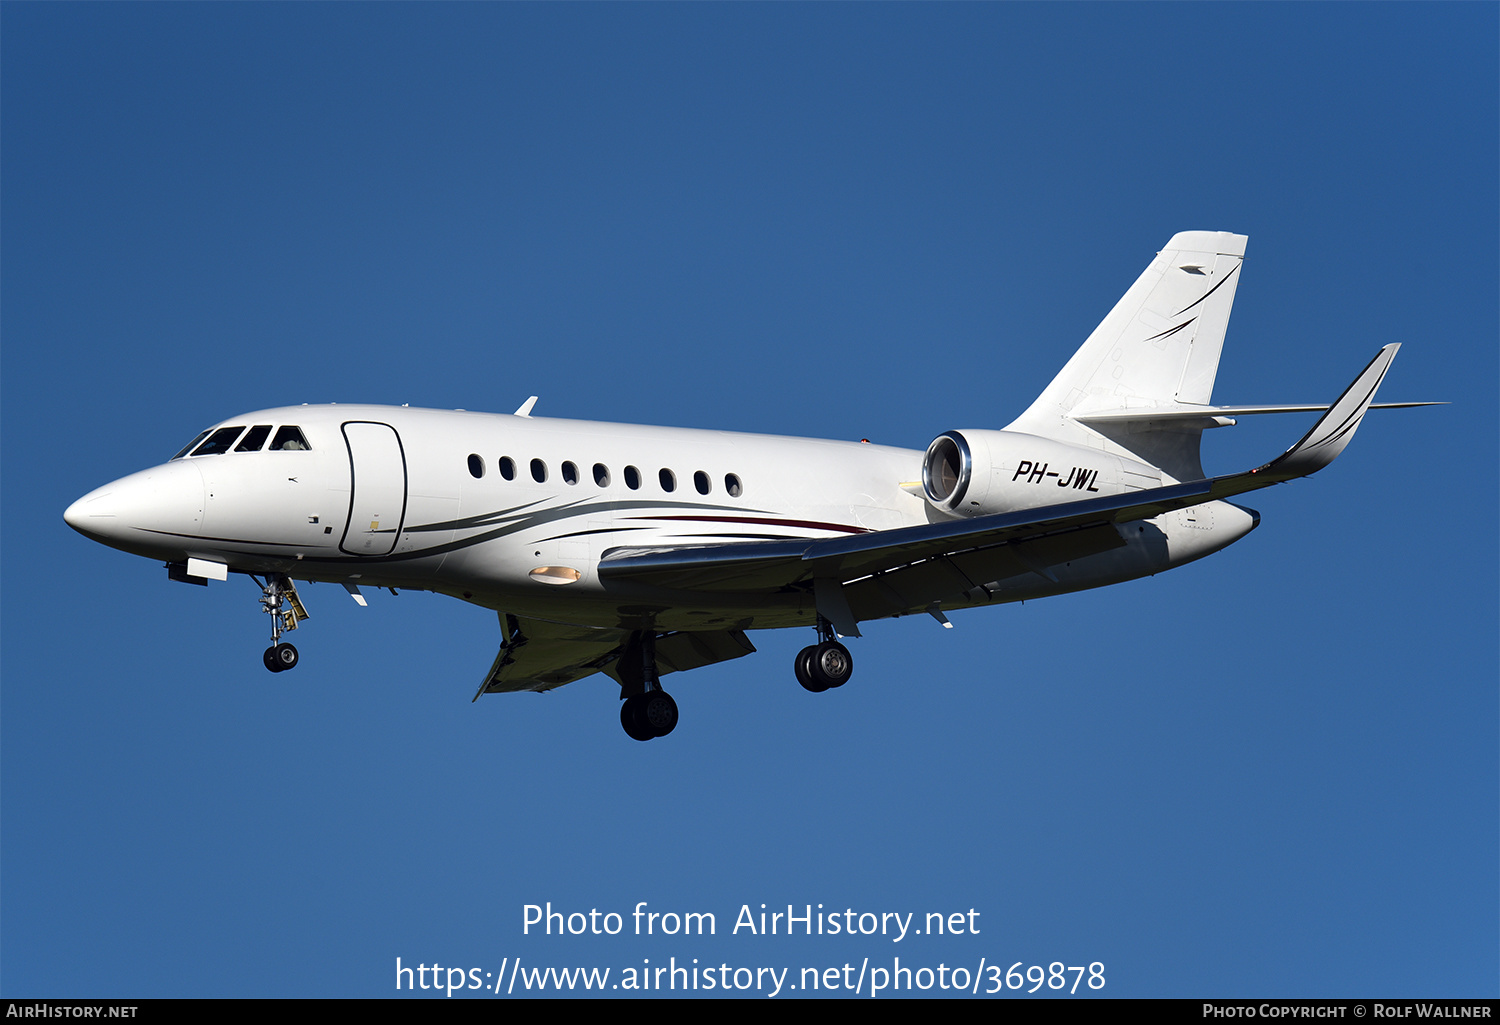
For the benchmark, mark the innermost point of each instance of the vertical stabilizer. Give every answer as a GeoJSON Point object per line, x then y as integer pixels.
{"type": "Point", "coordinates": [1160, 345]}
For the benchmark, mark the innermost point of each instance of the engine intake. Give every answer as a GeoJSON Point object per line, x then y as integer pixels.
{"type": "Point", "coordinates": [947, 470]}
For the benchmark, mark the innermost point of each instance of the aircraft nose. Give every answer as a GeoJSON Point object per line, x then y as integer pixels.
{"type": "Point", "coordinates": [73, 514]}
{"type": "Point", "coordinates": [94, 513]}
{"type": "Point", "coordinates": [160, 501]}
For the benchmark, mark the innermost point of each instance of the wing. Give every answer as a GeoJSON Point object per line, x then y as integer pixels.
{"type": "Point", "coordinates": [936, 558]}
{"type": "Point", "coordinates": [539, 656]}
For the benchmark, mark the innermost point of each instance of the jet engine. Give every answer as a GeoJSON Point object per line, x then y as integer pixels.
{"type": "Point", "coordinates": [977, 472]}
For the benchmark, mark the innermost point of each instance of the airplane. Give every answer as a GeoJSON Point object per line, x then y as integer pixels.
{"type": "Point", "coordinates": [640, 551]}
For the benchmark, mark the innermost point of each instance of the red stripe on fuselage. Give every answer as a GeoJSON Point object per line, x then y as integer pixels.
{"type": "Point", "coordinates": [802, 524]}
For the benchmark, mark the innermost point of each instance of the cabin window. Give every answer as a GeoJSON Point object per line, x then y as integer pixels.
{"type": "Point", "coordinates": [539, 471]}
{"type": "Point", "coordinates": [732, 485]}
{"type": "Point", "coordinates": [476, 466]}
{"type": "Point", "coordinates": [191, 445]}
{"type": "Point", "coordinates": [569, 473]}
{"type": "Point", "coordinates": [220, 441]}
{"type": "Point", "coordinates": [254, 438]}
{"type": "Point", "coordinates": [601, 475]}
{"type": "Point", "coordinates": [289, 439]}
{"type": "Point", "coordinates": [507, 468]}
{"type": "Point", "coordinates": [632, 478]}
{"type": "Point", "coordinates": [668, 479]}
{"type": "Point", "coordinates": [700, 481]}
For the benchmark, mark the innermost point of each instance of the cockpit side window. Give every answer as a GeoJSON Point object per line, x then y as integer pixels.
{"type": "Point", "coordinates": [190, 446]}
{"type": "Point", "coordinates": [289, 439]}
{"type": "Point", "coordinates": [220, 441]}
{"type": "Point", "coordinates": [254, 438]}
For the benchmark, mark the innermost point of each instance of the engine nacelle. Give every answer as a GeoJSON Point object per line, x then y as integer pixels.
{"type": "Point", "coordinates": [975, 473]}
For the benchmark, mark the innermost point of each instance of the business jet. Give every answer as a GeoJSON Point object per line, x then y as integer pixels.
{"type": "Point", "coordinates": [641, 551]}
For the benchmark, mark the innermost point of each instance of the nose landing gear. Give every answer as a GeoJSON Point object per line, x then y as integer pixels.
{"type": "Point", "coordinates": [278, 599]}
{"type": "Point", "coordinates": [280, 657]}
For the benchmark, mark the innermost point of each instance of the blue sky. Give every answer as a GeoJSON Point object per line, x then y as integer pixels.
{"type": "Point", "coordinates": [1269, 773]}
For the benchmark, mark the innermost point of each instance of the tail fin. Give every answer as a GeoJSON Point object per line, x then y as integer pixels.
{"type": "Point", "coordinates": [1160, 345]}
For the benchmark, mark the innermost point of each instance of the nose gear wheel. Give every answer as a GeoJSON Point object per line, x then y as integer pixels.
{"type": "Point", "coordinates": [280, 657]}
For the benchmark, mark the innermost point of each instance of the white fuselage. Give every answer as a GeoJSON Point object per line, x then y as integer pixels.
{"type": "Point", "coordinates": [514, 513]}
{"type": "Point", "coordinates": [641, 551]}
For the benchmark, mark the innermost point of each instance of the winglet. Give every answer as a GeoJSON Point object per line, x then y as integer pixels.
{"type": "Point", "coordinates": [1322, 445]}
{"type": "Point", "coordinates": [526, 406]}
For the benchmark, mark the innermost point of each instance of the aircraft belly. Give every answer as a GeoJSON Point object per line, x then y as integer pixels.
{"type": "Point", "coordinates": [1201, 530]}
{"type": "Point", "coordinates": [1044, 565]}
{"type": "Point", "coordinates": [1142, 551]}
{"type": "Point", "coordinates": [585, 603]}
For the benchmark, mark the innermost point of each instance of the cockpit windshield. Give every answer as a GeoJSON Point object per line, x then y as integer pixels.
{"type": "Point", "coordinates": [287, 439]}
{"type": "Point", "coordinates": [190, 445]}
{"type": "Point", "coordinates": [219, 441]}
{"type": "Point", "coordinates": [255, 437]}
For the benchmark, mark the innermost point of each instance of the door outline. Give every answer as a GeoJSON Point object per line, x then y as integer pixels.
{"type": "Point", "coordinates": [354, 489]}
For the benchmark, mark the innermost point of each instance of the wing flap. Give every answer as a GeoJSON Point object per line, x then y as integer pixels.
{"type": "Point", "coordinates": [679, 652]}
{"type": "Point", "coordinates": [539, 656]}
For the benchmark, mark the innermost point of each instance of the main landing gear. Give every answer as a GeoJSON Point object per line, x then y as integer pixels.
{"type": "Point", "coordinates": [825, 664]}
{"type": "Point", "coordinates": [650, 715]}
{"type": "Point", "coordinates": [278, 599]}
{"type": "Point", "coordinates": [648, 711]}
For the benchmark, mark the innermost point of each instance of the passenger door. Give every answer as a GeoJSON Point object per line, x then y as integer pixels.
{"type": "Point", "coordinates": [377, 488]}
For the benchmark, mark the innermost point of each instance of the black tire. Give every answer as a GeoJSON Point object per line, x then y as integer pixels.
{"type": "Point", "coordinates": [831, 664]}
{"type": "Point", "coordinates": [285, 657]}
{"type": "Point", "coordinates": [269, 658]}
{"type": "Point", "coordinates": [802, 666]}
{"type": "Point", "coordinates": [630, 719]}
{"type": "Point", "coordinates": [658, 713]}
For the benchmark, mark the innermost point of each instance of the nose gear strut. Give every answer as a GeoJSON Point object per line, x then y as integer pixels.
{"type": "Point", "coordinates": [278, 599]}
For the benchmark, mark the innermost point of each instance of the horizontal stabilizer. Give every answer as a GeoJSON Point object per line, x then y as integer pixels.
{"type": "Point", "coordinates": [1185, 412]}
